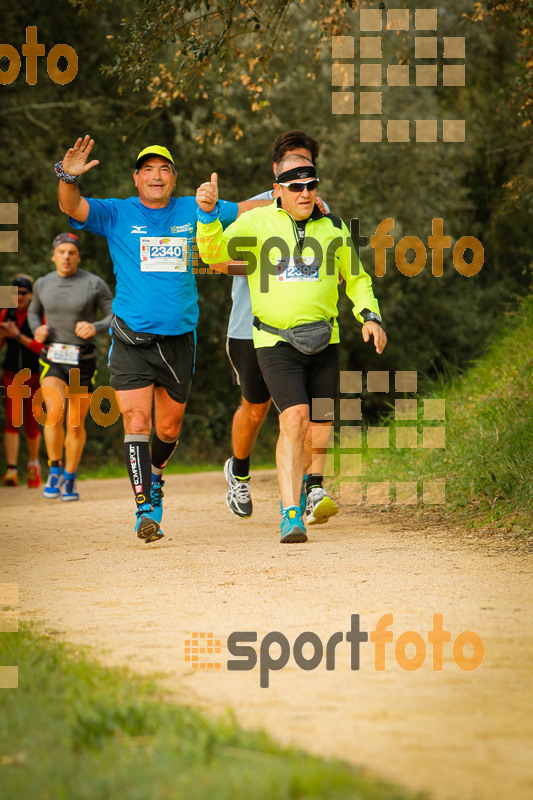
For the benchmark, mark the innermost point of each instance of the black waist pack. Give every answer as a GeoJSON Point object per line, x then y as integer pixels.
{"type": "Point", "coordinates": [311, 338]}
{"type": "Point", "coordinates": [124, 334]}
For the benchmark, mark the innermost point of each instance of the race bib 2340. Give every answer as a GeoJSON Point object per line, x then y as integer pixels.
{"type": "Point", "coordinates": [163, 254]}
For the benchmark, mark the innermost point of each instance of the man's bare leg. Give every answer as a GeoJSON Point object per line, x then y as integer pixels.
{"type": "Point", "coordinates": [320, 506]}
{"type": "Point", "coordinates": [316, 442]}
{"type": "Point", "coordinates": [54, 435]}
{"type": "Point", "coordinates": [293, 424]}
{"type": "Point", "coordinates": [33, 447]}
{"type": "Point", "coordinates": [76, 435]}
{"type": "Point", "coordinates": [136, 408]}
{"type": "Point", "coordinates": [168, 415]}
{"type": "Point", "coordinates": [11, 447]}
{"type": "Point", "coordinates": [247, 421]}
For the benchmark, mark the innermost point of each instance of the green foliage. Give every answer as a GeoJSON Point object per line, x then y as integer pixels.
{"type": "Point", "coordinates": [75, 730]}
{"type": "Point", "coordinates": [170, 46]}
{"type": "Point", "coordinates": [487, 463]}
{"type": "Point", "coordinates": [481, 187]}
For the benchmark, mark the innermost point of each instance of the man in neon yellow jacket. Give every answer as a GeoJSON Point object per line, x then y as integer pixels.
{"type": "Point", "coordinates": [294, 256]}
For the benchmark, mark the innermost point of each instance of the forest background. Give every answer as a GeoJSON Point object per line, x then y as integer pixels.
{"type": "Point", "coordinates": [216, 82]}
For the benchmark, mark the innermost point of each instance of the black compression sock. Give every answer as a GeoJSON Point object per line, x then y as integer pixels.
{"type": "Point", "coordinates": [312, 482]}
{"type": "Point", "coordinates": [241, 467]}
{"type": "Point", "coordinates": [161, 451]}
{"type": "Point", "coordinates": [137, 457]}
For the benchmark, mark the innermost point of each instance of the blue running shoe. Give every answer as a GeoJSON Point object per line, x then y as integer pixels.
{"type": "Point", "coordinates": [156, 497]}
{"type": "Point", "coordinates": [70, 491]}
{"type": "Point", "coordinates": [146, 527]}
{"type": "Point", "coordinates": [292, 526]}
{"type": "Point", "coordinates": [52, 490]}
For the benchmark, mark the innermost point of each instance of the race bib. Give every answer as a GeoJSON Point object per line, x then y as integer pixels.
{"type": "Point", "coordinates": [166, 254]}
{"type": "Point", "coordinates": [64, 354]}
{"type": "Point", "coordinates": [297, 269]}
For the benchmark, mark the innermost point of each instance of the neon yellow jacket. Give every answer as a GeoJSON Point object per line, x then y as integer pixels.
{"type": "Point", "coordinates": [266, 238]}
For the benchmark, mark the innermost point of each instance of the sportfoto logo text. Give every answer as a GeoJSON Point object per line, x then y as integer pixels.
{"type": "Point", "coordinates": [31, 51]}
{"type": "Point", "coordinates": [312, 254]}
{"type": "Point", "coordinates": [409, 651]}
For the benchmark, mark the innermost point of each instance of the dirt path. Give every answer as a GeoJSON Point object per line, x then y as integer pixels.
{"type": "Point", "coordinates": [461, 734]}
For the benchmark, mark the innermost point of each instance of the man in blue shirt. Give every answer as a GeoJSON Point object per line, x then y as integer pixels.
{"type": "Point", "coordinates": [150, 239]}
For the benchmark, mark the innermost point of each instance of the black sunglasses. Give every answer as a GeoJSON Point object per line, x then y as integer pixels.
{"type": "Point", "coordinates": [299, 187]}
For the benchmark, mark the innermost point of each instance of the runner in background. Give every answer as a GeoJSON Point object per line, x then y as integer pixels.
{"type": "Point", "coordinates": [69, 298]}
{"type": "Point", "coordinates": [255, 400]}
{"type": "Point", "coordinates": [22, 353]}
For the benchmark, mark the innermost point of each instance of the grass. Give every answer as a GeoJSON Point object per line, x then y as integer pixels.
{"type": "Point", "coordinates": [118, 470]}
{"type": "Point", "coordinates": [487, 463]}
{"type": "Point", "coordinates": [77, 731]}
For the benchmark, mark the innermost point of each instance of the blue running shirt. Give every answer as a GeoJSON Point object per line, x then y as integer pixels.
{"type": "Point", "coordinates": [152, 254]}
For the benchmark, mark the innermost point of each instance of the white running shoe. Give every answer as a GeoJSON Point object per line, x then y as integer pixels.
{"type": "Point", "coordinates": [320, 506]}
{"type": "Point", "coordinates": [238, 496]}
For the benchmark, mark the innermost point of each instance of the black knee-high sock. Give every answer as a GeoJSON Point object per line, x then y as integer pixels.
{"type": "Point", "coordinates": [312, 482]}
{"type": "Point", "coordinates": [161, 452]}
{"type": "Point", "coordinates": [137, 457]}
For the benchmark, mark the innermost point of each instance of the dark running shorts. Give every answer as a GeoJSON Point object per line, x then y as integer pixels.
{"type": "Point", "coordinates": [168, 363]}
{"type": "Point", "coordinates": [86, 366]}
{"type": "Point", "coordinates": [246, 370]}
{"type": "Point", "coordinates": [294, 378]}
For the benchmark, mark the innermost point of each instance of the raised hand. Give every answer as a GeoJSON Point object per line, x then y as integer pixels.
{"type": "Point", "coordinates": [207, 194]}
{"type": "Point", "coordinates": [75, 160]}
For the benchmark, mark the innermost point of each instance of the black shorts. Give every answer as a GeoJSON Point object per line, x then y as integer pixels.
{"type": "Point", "coordinates": [246, 370]}
{"type": "Point", "coordinates": [294, 378]}
{"type": "Point", "coordinates": [86, 366]}
{"type": "Point", "coordinates": [168, 363]}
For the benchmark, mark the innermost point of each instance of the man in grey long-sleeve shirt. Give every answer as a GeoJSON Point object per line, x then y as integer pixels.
{"type": "Point", "coordinates": [69, 299]}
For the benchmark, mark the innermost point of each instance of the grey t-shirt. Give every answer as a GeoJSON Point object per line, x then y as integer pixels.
{"type": "Point", "coordinates": [67, 301]}
{"type": "Point", "coordinates": [241, 319]}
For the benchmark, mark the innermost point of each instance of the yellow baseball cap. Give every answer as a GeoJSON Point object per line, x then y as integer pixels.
{"type": "Point", "coordinates": [153, 150]}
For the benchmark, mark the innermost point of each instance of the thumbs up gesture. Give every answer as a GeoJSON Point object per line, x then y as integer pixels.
{"type": "Point", "coordinates": [207, 194]}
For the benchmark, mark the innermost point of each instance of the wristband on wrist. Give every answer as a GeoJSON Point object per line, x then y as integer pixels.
{"type": "Point", "coordinates": [66, 177]}
{"type": "Point", "coordinates": [17, 337]}
{"type": "Point", "coordinates": [208, 216]}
